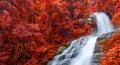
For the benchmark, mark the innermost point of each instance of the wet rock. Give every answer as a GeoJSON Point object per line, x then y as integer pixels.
{"type": "Point", "coordinates": [60, 50]}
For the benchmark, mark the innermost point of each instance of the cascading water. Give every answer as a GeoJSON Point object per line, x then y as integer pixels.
{"type": "Point", "coordinates": [103, 23]}
{"type": "Point", "coordinates": [80, 52]}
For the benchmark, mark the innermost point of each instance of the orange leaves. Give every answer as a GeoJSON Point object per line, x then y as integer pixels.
{"type": "Point", "coordinates": [5, 53]}
{"type": "Point", "coordinates": [43, 6]}
{"type": "Point", "coordinates": [112, 57]}
{"type": "Point", "coordinates": [40, 49]}
{"type": "Point", "coordinates": [38, 27]}
{"type": "Point", "coordinates": [30, 47]}
{"type": "Point", "coordinates": [116, 17]}
{"type": "Point", "coordinates": [77, 11]}
{"type": "Point", "coordinates": [111, 48]}
{"type": "Point", "coordinates": [32, 61]}
{"type": "Point", "coordinates": [4, 56]}
{"type": "Point", "coordinates": [18, 50]}
{"type": "Point", "coordinates": [21, 31]}
{"type": "Point", "coordinates": [77, 6]}
{"type": "Point", "coordinates": [5, 19]}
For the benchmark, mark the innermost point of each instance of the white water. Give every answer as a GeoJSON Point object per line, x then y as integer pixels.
{"type": "Point", "coordinates": [103, 23]}
{"type": "Point", "coordinates": [85, 56]}
{"type": "Point", "coordinates": [80, 52]}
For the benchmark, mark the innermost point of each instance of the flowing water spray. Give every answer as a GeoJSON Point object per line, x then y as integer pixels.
{"type": "Point", "coordinates": [80, 52]}
{"type": "Point", "coordinates": [103, 23]}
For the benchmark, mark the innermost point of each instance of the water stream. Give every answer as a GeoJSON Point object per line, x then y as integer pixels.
{"type": "Point", "coordinates": [80, 52]}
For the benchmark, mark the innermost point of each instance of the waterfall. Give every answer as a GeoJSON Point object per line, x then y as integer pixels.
{"type": "Point", "coordinates": [80, 51]}
{"type": "Point", "coordinates": [103, 23]}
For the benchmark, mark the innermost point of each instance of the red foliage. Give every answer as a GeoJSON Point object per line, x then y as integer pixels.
{"type": "Point", "coordinates": [31, 30]}
{"type": "Point", "coordinates": [116, 18]}
{"type": "Point", "coordinates": [111, 50]}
